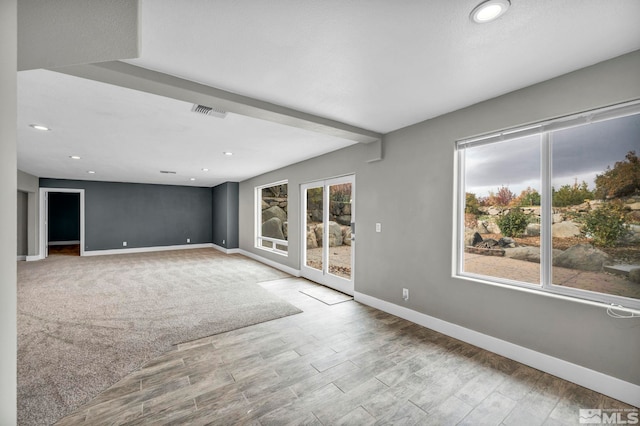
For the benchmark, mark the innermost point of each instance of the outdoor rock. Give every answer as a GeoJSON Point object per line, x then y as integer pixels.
{"type": "Point", "coordinates": [272, 212]}
{"type": "Point", "coordinates": [488, 243]}
{"type": "Point", "coordinates": [471, 237]}
{"type": "Point", "coordinates": [507, 242]}
{"type": "Point", "coordinates": [312, 242]}
{"type": "Point", "coordinates": [346, 235]}
{"type": "Point", "coordinates": [272, 228]}
{"type": "Point", "coordinates": [634, 275]}
{"type": "Point", "coordinates": [335, 234]}
{"type": "Point", "coordinates": [565, 229]}
{"type": "Point", "coordinates": [634, 206]}
{"type": "Point", "coordinates": [344, 219]}
{"type": "Point", "coordinates": [533, 230]}
{"type": "Point", "coordinates": [584, 257]}
{"type": "Point", "coordinates": [530, 254]}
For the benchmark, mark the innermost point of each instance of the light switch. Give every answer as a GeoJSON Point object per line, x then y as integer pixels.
{"type": "Point", "coordinates": [378, 227]}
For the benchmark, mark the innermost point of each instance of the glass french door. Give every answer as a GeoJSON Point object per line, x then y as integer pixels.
{"type": "Point", "coordinates": [328, 232]}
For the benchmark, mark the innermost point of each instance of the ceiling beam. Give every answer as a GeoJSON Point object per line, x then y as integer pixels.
{"type": "Point", "coordinates": [137, 78]}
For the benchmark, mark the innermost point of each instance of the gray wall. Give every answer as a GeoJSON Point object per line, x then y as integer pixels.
{"type": "Point", "coordinates": [411, 193]}
{"type": "Point", "coordinates": [29, 184]}
{"type": "Point", "coordinates": [142, 215]}
{"type": "Point", "coordinates": [225, 214]}
{"type": "Point", "coordinates": [22, 221]}
{"type": "Point", "coordinates": [8, 185]}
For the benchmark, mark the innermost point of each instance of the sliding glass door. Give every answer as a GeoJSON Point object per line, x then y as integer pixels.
{"type": "Point", "coordinates": [328, 232]}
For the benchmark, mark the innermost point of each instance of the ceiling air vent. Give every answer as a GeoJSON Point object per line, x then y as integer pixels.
{"type": "Point", "coordinates": [201, 109]}
{"type": "Point", "coordinates": [167, 172]}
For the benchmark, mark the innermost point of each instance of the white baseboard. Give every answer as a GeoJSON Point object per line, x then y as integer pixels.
{"type": "Point", "coordinates": [289, 270]}
{"type": "Point", "coordinates": [146, 249]}
{"type": "Point", "coordinates": [599, 382]}
{"type": "Point", "coordinates": [63, 243]}
{"type": "Point", "coordinates": [34, 257]}
{"type": "Point", "coordinates": [226, 250]}
{"type": "Point", "coordinates": [21, 258]}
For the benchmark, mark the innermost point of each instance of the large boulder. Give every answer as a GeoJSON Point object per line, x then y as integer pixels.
{"type": "Point", "coordinates": [312, 242]}
{"type": "Point", "coordinates": [344, 219]}
{"type": "Point", "coordinates": [488, 227]}
{"type": "Point", "coordinates": [272, 212]}
{"type": "Point", "coordinates": [471, 237]}
{"type": "Point", "coordinates": [634, 275]}
{"type": "Point", "coordinates": [528, 253]}
{"type": "Point", "coordinates": [565, 229]}
{"type": "Point", "coordinates": [335, 234]}
{"type": "Point", "coordinates": [346, 235]}
{"type": "Point", "coordinates": [634, 206]}
{"type": "Point", "coordinates": [584, 257]}
{"type": "Point", "coordinates": [533, 230]}
{"type": "Point", "coordinates": [272, 228]}
{"type": "Point", "coordinates": [633, 235]}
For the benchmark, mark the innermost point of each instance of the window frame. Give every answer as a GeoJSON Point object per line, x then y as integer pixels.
{"type": "Point", "coordinates": [545, 130]}
{"type": "Point", "coordinates": [258, 221]}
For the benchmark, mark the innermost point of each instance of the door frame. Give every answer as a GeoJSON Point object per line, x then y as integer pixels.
{"type": "Point", "coordinates": [44, 215]}
{"type": "Point", "coordinates": [324, 277]}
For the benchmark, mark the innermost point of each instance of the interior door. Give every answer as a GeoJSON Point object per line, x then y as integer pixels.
{"type": "Point", "coordinates": [328, 232]}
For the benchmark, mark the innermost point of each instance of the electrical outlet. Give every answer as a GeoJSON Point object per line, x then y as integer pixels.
{"type": "Point", "coordinates": [124, 244]}
{"type": "Point", "coordinates": [378, 227]}
{"type": "Point", "coordinates": [405, 294]}
{"type": "Point", "coordinates": [188, 240]}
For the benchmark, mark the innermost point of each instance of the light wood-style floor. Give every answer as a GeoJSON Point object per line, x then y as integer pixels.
{"type": "Point", "coordinates": [344, 364]}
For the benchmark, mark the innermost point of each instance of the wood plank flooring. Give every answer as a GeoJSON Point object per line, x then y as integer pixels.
{"type": "Point", "coordinates": [342, 364]}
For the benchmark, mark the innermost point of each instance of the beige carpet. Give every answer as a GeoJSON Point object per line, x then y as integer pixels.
{"type": "Point", "coordinates": [84, 323]}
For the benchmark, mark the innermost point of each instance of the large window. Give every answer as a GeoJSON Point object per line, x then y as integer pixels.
{"type": "Point", "coordinates": [555, 206]}
{"type": "Point", "coordinates": [271, 217]}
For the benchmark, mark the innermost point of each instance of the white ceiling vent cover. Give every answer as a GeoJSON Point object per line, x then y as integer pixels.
{"type": "Point", "coordinates": [201, 109]}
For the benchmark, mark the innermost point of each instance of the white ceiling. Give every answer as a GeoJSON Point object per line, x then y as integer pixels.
{"type": "Point", "coordinates": [376, 64]}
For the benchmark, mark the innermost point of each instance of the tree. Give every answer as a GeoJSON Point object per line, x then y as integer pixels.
{"type": "Point", "coordinates": [571, 195]}
{"type": "Point", "coordinates": [502, 198]}
{"type": "Point", "coordinates": [528, 197]}
{"type": "Point", "coordinates": [621, 181]}
{"type": "Point", "coordinates": [471, 204]}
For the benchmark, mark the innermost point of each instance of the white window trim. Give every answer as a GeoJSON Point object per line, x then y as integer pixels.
{"type": "Point", "coordinates": [259, 239]}
{"type": "Point", "coordinates": [544, 129]}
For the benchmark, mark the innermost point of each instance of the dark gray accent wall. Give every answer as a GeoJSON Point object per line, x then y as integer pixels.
{"type": "Point", "coordinates": [64, 216]}
{"type": "Point", "coordinates": [142, 215]}
{"type": "Point", "coordinates": [225, 214]}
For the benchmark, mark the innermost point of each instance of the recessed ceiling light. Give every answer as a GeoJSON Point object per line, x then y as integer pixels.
{"type": "Point", "coordinates": [192, 178]}
{"type": "Point", "coordinates": [91, 172]}
{"type": "Point", "coordinates": [489, 11]}
{"type": "Point", "coordinates": [40, 127]}
{"type": "Point", "coordinates": [228, 154]}
{"type": "Point", "coordinates": [205, 170]}
{"type": "Point", "coordinates": [74, 157]}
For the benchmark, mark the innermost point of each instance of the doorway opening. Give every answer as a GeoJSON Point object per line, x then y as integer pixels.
{"type": "Point", "coordinates": [328, 232]}
{"type": "Point", "coordinates": [62, 222]}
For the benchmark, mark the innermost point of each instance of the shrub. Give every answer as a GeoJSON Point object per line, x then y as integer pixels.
{"type": "Point", "coordinates": [471, 204]}
{"type": "Point", "coordinates": [606, 225]}
{"type": "Point", "coordinates": [571, 195]}
{"type": "Point", "coordinates": [513, 223]}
